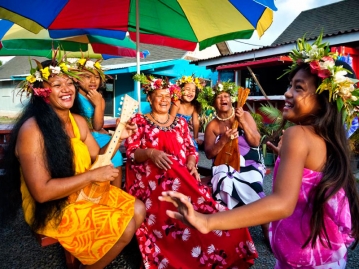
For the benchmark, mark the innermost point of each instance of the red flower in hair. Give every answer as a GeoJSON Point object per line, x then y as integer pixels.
{"type": "Point", "coordinates": [314, 67]}
{"type": "Point", "coordinates": [43, 92]}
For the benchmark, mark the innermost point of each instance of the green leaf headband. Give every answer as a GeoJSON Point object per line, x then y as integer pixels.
{"type": "Point", "coordinates": [150, 83]}
{"type": "Point", "coordinates": [198, 82]}
{"type": "Point", "coordinates": [38, 74]}
{"type": "Point", "coordinates": [89, 65]}
{"type": "Point", "coordinates": [322, 63]}
{"type": "Point", "coordinates": [207, 96]}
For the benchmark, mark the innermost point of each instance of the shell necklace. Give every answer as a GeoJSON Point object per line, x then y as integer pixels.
{"type": "Point", "coordinates": [221, 119]}
{"type": "Point", "coordinates": [168, 115]}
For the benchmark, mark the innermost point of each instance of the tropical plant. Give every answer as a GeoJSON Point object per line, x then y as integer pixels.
{"type": "Point", "coordinates": [269, 131]}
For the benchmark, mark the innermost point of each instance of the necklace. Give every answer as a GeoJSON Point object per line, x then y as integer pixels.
{"type": "Point", "coordinates": [168, 115]}
{"type": "Point", "coordinates": [219, 118]}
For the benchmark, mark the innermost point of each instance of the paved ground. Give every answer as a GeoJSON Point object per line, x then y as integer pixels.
{"type": "Point", "coordinates": [19, 249]}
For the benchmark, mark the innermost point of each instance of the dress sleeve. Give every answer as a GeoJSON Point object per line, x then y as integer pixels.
{"type": "Point", "coordinates": [188, 142]}
{"type": "Point", "coordinates": [134, 142]}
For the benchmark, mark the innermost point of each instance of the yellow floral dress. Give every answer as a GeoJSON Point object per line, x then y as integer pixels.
{"type": "Point", "coordinates": [87, 230]}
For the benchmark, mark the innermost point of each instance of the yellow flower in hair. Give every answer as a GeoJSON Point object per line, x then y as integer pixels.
{"type": "Point", "coordinates": [64, 67]}
{"type": "Point", "coordinates": [45, 73]}
{"type": "Point", "coordinates": [31, 78]}
{"type": "Point", "coordinates": [97, 65]}
{"type": "Point", "coordinates": [81, 61]}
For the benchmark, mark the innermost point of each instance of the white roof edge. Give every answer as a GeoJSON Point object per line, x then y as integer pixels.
{"type": "Point", "coordinates": [278, 49]}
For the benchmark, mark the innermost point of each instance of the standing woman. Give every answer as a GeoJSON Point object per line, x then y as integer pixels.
{"type": "Point", "coordinates": [90, 104]}
{"type": "Point", "coordinates": [161, 157]}
{"type": "Point", "coordinates": [314, 206]}
{"type": "Point", "coordinates": [187, 106]}
{"type": "Point", "coordinates": [47, 165]}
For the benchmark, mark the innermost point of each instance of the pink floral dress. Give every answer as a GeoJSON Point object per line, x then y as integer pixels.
{"type": "Point", "coordinates": [287, 241]}
{"type": "Point", "coordinates": [166, 242]}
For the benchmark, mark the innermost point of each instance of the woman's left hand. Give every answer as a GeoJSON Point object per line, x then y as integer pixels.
{"type": "Point", "coordinates": [192, 168]}
{"type": "Point", "coordinates": [130, 128]}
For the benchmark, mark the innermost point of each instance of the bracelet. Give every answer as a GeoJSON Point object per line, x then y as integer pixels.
{"type": "Point", "coordinates": [151, 153]}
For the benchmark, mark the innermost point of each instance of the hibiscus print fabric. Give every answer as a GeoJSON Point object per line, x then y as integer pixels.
{"type": "Point", "coordinates": [165, 242]}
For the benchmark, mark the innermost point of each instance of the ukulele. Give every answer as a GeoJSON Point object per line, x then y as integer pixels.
{"type": "Point", "coordinates": [98, 192]}
{"type": "Point", "coordinates": [230, 152]}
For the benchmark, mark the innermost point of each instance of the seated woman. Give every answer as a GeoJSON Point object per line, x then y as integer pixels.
{"type": "Point", "coordinates": [48, 162]}
{"type": "Point", "coordinates": [230, 187]}
{"type": "Point", "coordinates": [161, 156]}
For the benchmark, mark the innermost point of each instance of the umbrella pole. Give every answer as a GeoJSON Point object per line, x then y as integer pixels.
{"type": "Point", "coordinates": [138, 68]}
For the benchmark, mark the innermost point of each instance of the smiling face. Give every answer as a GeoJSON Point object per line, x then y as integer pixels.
{"type": "Point", "coordinates": [300, 98]}
{"type": "Point", "coordinates": [89, 81]}
{"type": "Point", "coordinates": [223, 102]}
{"type": "Point", "coordinates": [160, 101]}
{"type": "Point", "coordinates": [188, 92]}
{"type": "Point", "coordinates": [62, 92]}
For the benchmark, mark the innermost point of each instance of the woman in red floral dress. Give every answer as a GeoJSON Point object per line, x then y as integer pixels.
{"type": "Point", "coordinates": [161, 157]}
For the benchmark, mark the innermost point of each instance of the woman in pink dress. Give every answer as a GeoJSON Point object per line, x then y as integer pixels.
{"type": "Point", "coordinates": [161, 157]}
{"type": "Point", "coordinates": [314, 207]}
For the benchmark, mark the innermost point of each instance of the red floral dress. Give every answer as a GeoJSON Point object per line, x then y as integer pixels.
{"type": "Point", "coordinates": [166, 242]}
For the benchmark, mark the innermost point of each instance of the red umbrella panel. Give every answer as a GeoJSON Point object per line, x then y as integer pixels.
{"type": "Point", "coordinates": [176, 23]}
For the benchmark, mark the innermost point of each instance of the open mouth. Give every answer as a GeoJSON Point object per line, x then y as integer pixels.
{"type": "Point", "coordinates": [66, 97]}
{"type": "Point", "coordinates": [288, 105]}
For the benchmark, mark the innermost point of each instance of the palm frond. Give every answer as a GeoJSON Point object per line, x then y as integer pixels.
{"type": "Point", "coordinates": [273, 113]}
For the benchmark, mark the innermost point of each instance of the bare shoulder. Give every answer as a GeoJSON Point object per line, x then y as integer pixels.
{"type": "Point", "coordinates": [29, 129]}
{"type": "Point", "coordinates": [29, 138]}
{"type": "Point", "coordinates": [79, 119]}
{"type": "Point", "coordinates": [82, 125]}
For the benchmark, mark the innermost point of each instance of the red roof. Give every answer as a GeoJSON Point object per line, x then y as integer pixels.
{"type": "Point", "coordinates": [257, 63]}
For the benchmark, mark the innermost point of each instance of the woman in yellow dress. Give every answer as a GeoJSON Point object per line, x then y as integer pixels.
{"type": "Point", "coordinates": [48, 160]}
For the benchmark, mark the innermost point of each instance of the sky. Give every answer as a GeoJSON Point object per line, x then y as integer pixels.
{"type": "Point", "coordinates": [287, 11]}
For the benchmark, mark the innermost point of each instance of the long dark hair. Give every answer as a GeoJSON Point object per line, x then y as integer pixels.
{"type": "Point", "coordinates": [58, 157]}
{"type": "Point", "coordinates": [337, 172]}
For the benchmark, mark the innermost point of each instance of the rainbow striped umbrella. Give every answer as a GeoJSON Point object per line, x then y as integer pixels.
{"type": "Point", "coordinates": [175, 23]}
{"type": "Point", "coordinates": [182, 24]}
{"type": "Point", "coordinates": [16, 41]}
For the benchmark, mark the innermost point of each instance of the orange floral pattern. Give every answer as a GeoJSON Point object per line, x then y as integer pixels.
{"type": "Point", "coordinates": [87, 230]}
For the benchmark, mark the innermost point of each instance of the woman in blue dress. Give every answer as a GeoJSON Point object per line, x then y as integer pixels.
{"type": "Point", "coordinates": [90, 104]}
{"type": "Point", "coordinates": [187, 106]}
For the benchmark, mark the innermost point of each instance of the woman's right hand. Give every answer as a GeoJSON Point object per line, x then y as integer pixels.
{"type": "Point", "coordinates": [185, 213]}
{"type": "Point", "coordinates": [95, 97]}
{"type": "Point", "coordinates": [104, 173]}
{"type": "Point", "coordinates": [276, 149]}
{"type": "Point", "coordinates": [160, 159]}
{"type": "Point", "coordinates": [230, 134]}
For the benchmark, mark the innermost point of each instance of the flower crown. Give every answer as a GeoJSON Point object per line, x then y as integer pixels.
{"type": "Point", "coordinates": [207, 96]}
{"type": "Point", "coordinates": [198, 82]}
{"type": "Point", "coordinates": [322, 63]}
{"type": "Point", "coordinates": [89, 65]}
{"type": "Point", "coordinates": [150, 83]}
{"type": "Point", "coordinates": [58, 66]}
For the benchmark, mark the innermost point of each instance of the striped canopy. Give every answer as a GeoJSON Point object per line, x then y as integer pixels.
{"type": "Point", "coordinates": [16, 41]}
{"type": "Point", "coordinates": [176, 23]}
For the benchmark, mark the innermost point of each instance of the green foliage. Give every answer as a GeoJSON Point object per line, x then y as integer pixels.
{"type": "Point", "coordinates": [354, 143]}
{"type": "Point", "coordinates": [204, 118]}
{"type": "Point", "coordinates": [268, 131]}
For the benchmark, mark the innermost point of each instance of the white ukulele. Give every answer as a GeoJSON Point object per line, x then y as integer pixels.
{"type": "Point", "coordinates": [98, 192]}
